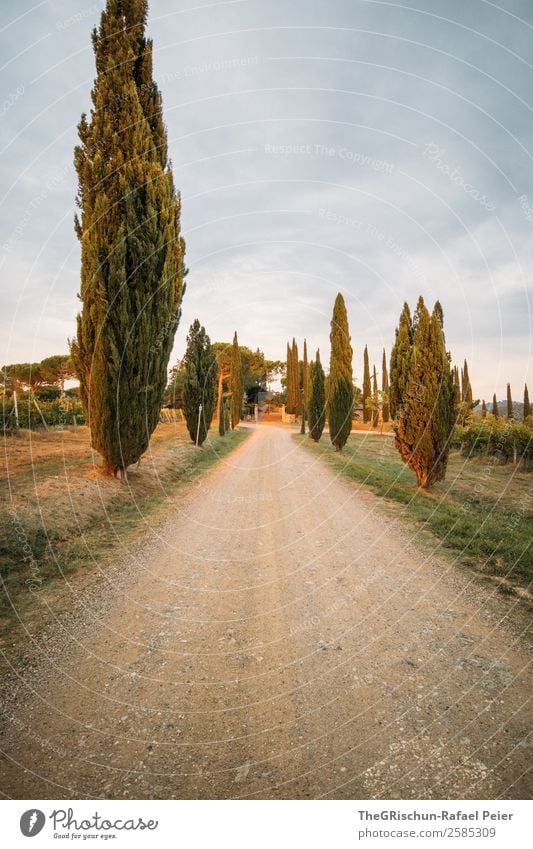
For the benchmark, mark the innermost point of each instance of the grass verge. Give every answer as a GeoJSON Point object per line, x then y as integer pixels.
{"type": "Point", "coordinates": [482, 511]}
{"type": "Point", "coordinates": [59, 516]}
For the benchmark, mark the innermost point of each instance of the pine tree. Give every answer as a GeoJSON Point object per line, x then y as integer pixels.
{"type": "Point", "coordinates": [384, 389]}
{"type": "Point", "coordinates": [400, 361]}
{"type": "Point", "coordinates": [527, 405]}
{"type": "Point", "coordinates": [317, 400]}
{"type": "Point", "coordinates": [495, 410]}
{"type": "Point", "coordinates": [200, 386]}
{"type": "Point", "coordinates": [375, 399]}
{"type": "Point", "coordinates": [509, 403]}
{"type": "Point", "coordinates": [483, 409]}
{"type": "Point", "coordinates": [132, 254]}
{"type": "Point", "coordinates": [426, 415]}
{"type": "Point", "coordinates": [236, 383]}
{"type": "Point", "coordinates": [340, 376]}
{"type": "Point", "coordinates": [367, 413]}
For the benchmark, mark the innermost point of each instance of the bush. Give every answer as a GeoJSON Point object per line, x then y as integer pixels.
{"type": "Point", "coordinates": [495, 437]}
{"type": "Point", "coordinates": [59, 413]}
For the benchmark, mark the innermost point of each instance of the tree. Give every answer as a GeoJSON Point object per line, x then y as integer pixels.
{"type": "Point", "coordinates": [236, 384]}
{"type": "Point", "coordinates": [295, 402]}
{"type": "Point", "coordinates": [317, 400]}
{"type": "Point", "coordinates": [509, 403]}
{"type": "Point", "coordinates": [340, 376]}
{"type": "Point", "coordinates": [367, 412]}
{"type": "Point", "coordinates": [467, 403]}
{"type": "Point", "coordinates": [57, 369]}
{"type": "Point", "coordinates": [426, 415]}
{"type": "Point", "coordinates": [400, 361]}
{"type": "Point", "coordinates": [199, 391]}
{"type": "Point", "coordinates": [527, 405]}
{"type": "Point", "coordinates": [132, 254]}
{"type": "Point", "coordinates": [495, 410]}
{"type": "Point", "coordinates": [483, 409]}
{"type": "Point", "coordinates": [375, 399]}
{"type": "Point", "coordinates": [221, 416]}
{"type": "Point", "coordinates": [384, 389]}
{"type": "Point", "coordinates": [306, 386]}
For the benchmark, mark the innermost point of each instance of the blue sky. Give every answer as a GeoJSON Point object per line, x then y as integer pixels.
{"type": "Point", "coordinates": [375, 148]}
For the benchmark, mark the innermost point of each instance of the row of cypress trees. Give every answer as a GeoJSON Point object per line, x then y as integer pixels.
{"type": "Point", "coordinates": [526, 412]}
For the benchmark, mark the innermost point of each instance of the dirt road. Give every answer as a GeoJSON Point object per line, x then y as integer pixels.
{"type": "Point", "coordinates": [283, 637]}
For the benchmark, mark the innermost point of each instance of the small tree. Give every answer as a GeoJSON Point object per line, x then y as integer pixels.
{"type": "Point", "coordinates": [200, 385]}
{"type": "Point", "coordinates": [384, 389]}
{"type": "Point", "coordinates": [427, 413]}
{"type": "Point", "coordinates": [236, 384]}
{"type": "Point", "coordinates": [317, 400]}
{"type": "Point", "coordinates": [483, 409]}
{"type": "Point", "coordinates": [509, 403]}
{"type": "Point", "coordinates": [340, 376]}
{"type": "Point", "coordinates": [375, 399]}
{"type": "Point", "coordinates": [527, 405]}
{"type": "Point", "coordinates": [495, 410]}
{"type": "Point", "coordinates": [400, 361]}
{"type": "Point", "coordinates": [367, 391]}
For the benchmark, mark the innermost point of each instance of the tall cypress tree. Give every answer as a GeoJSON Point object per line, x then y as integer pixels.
{"type": "Point", "coordinates": [527, 405]}
{"type": "Point", "coordinates": [384, 389]}
{"type": "Point", "coordinates": [288, 381]}
{"type": "Point", "coordinates": [375, 399]}
{"type": "Point", "coordinates": [495, 410]}
{"type": "Point", "coordinates": [306, 383]}
{"type": "Point", "coordinates": [467, 402]}
{"type": "Point", "coordinates": [295, 402]}
{"type": "Point", "coordinates": [400, 361]}
{"type": "Point", "coordinates": [317, 400]}
{"type": "Point", "coordinates": [236, 383]}
{"type": "Point", "coordinates": [367, 391]}
{"type": "Point", "coordinates": [200, 386]}
{"type": "Point", "coordinates": [509, 403]}
{"type": "Point", "coordinates": [132, 254]}
{"type": "Point", "coordinates": [340, 376]}
{"type": "Point", "coordinates": [483, 409]}
{"type": "Point", "coordinates": [426, 416]}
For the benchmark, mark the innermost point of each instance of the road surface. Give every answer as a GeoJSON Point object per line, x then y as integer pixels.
{"type": "Point", "coordinates": [282, 636]}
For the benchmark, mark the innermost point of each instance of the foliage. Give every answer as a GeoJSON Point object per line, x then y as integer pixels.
{"type": "Point", "coordinates": [132, 255]}
{"type": "Point", "coordinates": [57, 413]}
{"type": "Point", "coordinates": [317, 400]}
{"type": "Point", "coordinates": [503, 440]}
{"type": "Point", "coordinates": [384, 389]}
{"type": "Point", "coordinates": [340, 386]}
{"type": "Point", "coordinates": [236, 383]}
{"type": "Point", "coordinates": [400, 361]}
{"type": "Point", "coordinates": [427, 410]}
{"type": "Point", "coordinates": [200, 383]}
{"type": "Point", "coordinates": [367, 391]}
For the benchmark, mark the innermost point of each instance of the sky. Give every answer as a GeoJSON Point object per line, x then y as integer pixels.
{"type": "Point", "coordinates": [380, 149]}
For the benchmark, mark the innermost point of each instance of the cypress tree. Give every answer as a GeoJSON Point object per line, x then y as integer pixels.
{"type": "Point", "coordinates": [426, 416]}
{"type": "Point", "coordinates": [236, 383]}
{"type": "Point", "coordinates": [384, 389]}
{"type": "Point", "coordinates": [340, 376]}
{"type": "Point", "coordinates": [467, 403]}
{"type": "Point", "coordinates": [132, 254]}
{"type": "Point", "coordinates": [458, 400]}
{"type": "Point", "coordinates": [288, 381]}
{"type": "Point", "coordinates": [495, 410]}
{"type": "Point", "coordinates": [306, 384]}
{"type": "Point", "coordinates": [509, 403]}
{"type": "Point", "coordinates": [400, 361]}
{"type": "Point", "coordinates": [317, 400]}
{"type": "Point", "coordinates": [375, 400]}
{"type": "Point", "coordinates": [483, 409]}
{"type": "Point", "coordinates": [527, 405]}
{"type": "Point", "coordinates": [227, 420]}
{"type": "Point", "coordinates": [296, 401]}
{"type": "Point", "coordinates": [221, 417]}
{"type": "Point", "coordinates": [200, 385]}
{"type": "Point", "coordinates": [367, 413]}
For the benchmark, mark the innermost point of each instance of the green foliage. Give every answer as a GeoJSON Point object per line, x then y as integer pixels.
{"type": "Point", "coordinates": [317, 400]}
{"type": "Point", "coordinates": [503, 440]}
{"type": "Point", "coordinates": [132, 254]}
{"type": "Point", "coordinates": [375, 399]}
{"type": "Point", "coordinates": [464, 403]}
{"type": "Point", "coordinates": [384, 389]}
{"type": "Point", "coordinates": [57, 413]}
{"type": "Point", "coordinates": [340, 386]}
{"type": "Point", "coordinates": [236, 383]}
{"type": "Point", "coordinates": [222, 416]}
{"type": "Point", "coordinates": [427, 412]}
{"type": "Point", "coordinates": [367, 391]}
{"type": "Point", "coordinates": [400, 361]}
{"type": "Point", "coordinates": [495, 409]}
{"type": "Point", "coordinates": [510, 415]}
{"type": "Point", "coordinates": [200, 383]}
{"type": "Point", "coordinates": [527, 404]}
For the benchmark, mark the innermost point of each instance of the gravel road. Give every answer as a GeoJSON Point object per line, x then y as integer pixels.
{"type": "Point", "coordinates": [282, 636]}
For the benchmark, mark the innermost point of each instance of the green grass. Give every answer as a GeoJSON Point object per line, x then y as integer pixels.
{"type": "Point", "coordinates": [73, 526]}
{"type": "Point", "coordinates": [481, 512]}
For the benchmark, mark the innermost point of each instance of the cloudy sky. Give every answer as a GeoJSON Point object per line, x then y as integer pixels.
{"type": "Point", "coordinates": [381, 149]}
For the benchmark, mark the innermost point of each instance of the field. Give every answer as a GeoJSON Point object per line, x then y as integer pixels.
{"type": "Point", "coordinates": [482, 512]}
{"type": "Point", "coordinates": [58, 515]}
